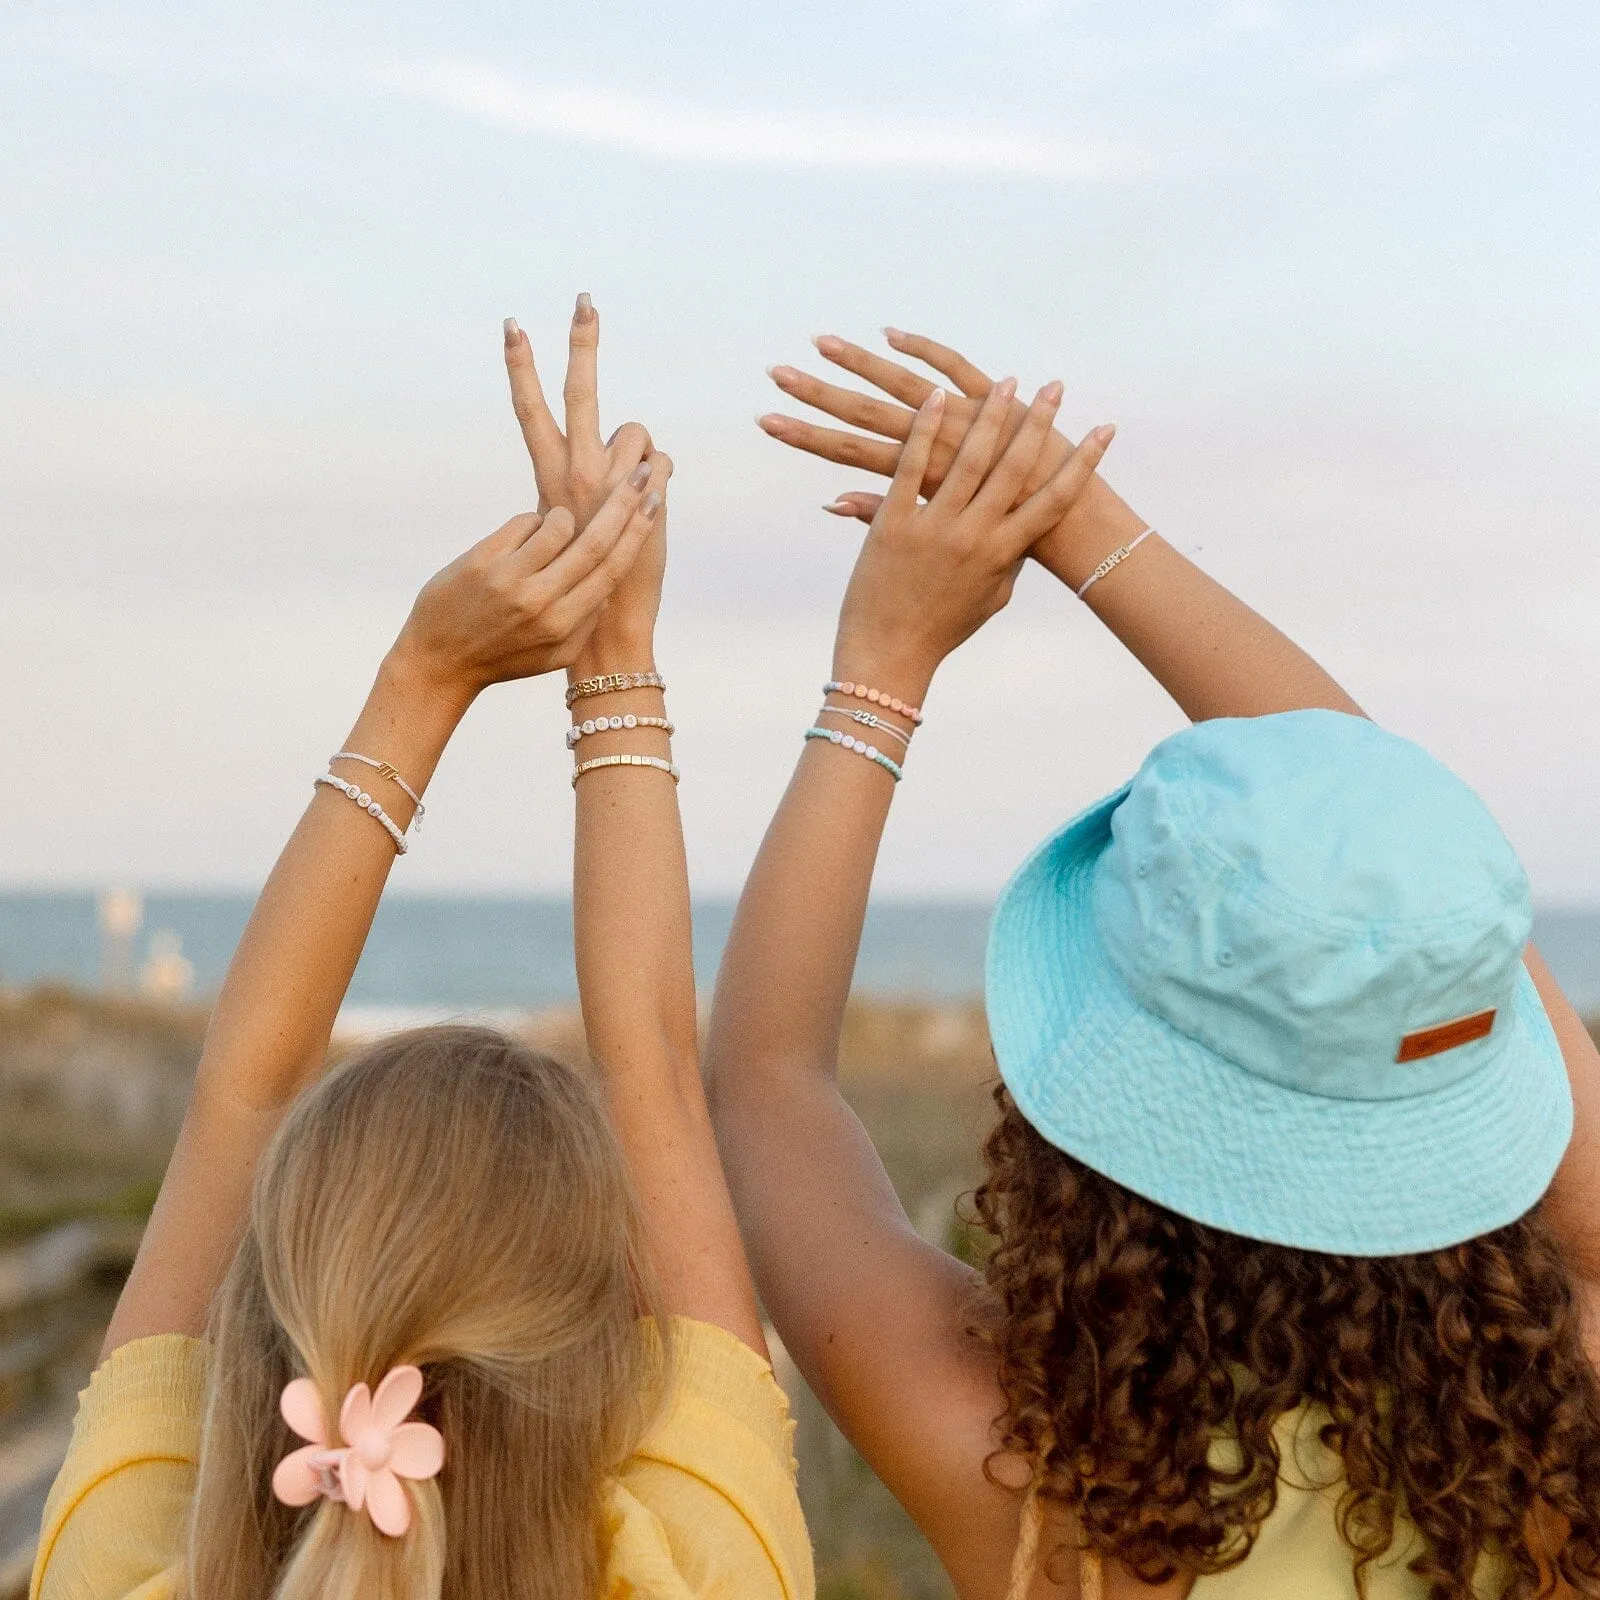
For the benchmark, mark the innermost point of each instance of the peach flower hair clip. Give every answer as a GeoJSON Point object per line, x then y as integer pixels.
{"type": "Point", "coordinates": [380, 1448]}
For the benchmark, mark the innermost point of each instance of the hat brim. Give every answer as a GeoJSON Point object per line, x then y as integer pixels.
{"type": "Point", "coordinates": [1107, 1081]}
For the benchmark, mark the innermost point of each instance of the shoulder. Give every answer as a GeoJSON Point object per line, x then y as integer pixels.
{"type": "Point", "coordinates": [711, 1485]}
{"type": "Point", "coordinates": [114, 1520]}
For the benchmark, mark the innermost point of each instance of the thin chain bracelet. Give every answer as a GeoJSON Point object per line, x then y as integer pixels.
{"type": "Point", "coordinates": [372, 808]}
{"type": "Point", "coordinates": [613, 724]}
{"type": "Point", "coordinates": [867, 720]}
{"type": "Point", "coordinates": [612, 683]}
{"type": "Point", "coordinates": [877, 697]}
{"type": "Point", "coordinates": [847, 741]}
{"type": "Point", "coordinates": [1115, 559]}
{"type": "Point", "coordinates": [384, 770]}
{"type": "Point", "coordinates": [597, 762]}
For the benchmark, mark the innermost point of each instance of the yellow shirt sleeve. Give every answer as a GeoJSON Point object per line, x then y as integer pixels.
{"type": "Point", "coordinates": [116, 1520]}
{"type": "Point", "coordinates": [712, 1487]}
{"type": "Point", "coordinates": [706, 1509]}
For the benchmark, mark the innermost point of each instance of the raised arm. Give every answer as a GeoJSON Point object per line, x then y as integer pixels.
{"type": "Point", "coordinates": [630, 881]}
{"type": "Point", "coordinates": [1214, 655]}
{"type": "Point", "coordinates": [871, 1314]}
{"type": "Point", "coordinates": [1207, 648]}
{"type": "Point", "coordinates": [521, 602]}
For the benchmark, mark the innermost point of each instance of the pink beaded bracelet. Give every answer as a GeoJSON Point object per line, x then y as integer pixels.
{"type": "Point", "coordinates": [877, 697]}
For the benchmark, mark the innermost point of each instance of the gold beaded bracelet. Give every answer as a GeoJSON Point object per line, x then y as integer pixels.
{"type": "Point", "coordinates": [668, 767]}
{"type": "Point", "coordinates": [611, 683]}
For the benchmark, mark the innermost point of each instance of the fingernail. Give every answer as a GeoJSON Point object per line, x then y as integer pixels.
{"type": "Point", "coordinates": [891, 334]}
{"type": "Point", "coordinates": [829, 344]}
{"type": "Point", "coordinates": [650, 504]}
{"type": "Point", "coordinates": [782, 374]}
{"type": "Point", "coordinates": [584, 310]}
{"type": "Point", "coordinates": [513, 332]}
{"type": "Point", "coordinates": [1105, 432]}
{"type": "Point", "coordinates": [840, 508]}
{"type": "Point", "coordinates": [640, 475]}
{"type": "Point", "coordinates": [935, 401]}
{"type": "Point", "coordinates": [767, 421]}
{"type": "Point", "coordinates": [1052, 391]}
{"type": "Point", "coordinates": [1006, 388]}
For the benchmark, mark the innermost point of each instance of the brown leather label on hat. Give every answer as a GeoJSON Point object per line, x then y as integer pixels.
{"type": "Point", "coordinates": [1447, 1036]}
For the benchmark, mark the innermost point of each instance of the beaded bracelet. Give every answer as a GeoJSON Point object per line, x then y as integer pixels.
{"type": "Point", "coordinates": [612, 724]}
{"type": "Point", "coordinates": [1115, 559]}
{"type": "Point", "coordinates": [611, 683]}
{"type": "Point", "coordinates": [877, 697]}
{"type": "Point", "coordinates": [847, 741]}
{"type": "Point", "coordinates": [384, 770]}
{"type": "Point", "coordinates": [594, 765]}
{"type": "Point", "coordinates": [369, 805]}
{"type": "Point", "coordinates": [867, 720]}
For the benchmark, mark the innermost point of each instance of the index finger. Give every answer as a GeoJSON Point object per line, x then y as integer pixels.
{"type": "Point", "coordinates": [906, 484]}
{"type": "Point", "coordinates": [539, 429]}
{"type": "Point", "coordinates": [581, 391]}
{"type": "Point", "coordinates": [905, 385]}
{"type": "Point", "coordinates": [955, 366]}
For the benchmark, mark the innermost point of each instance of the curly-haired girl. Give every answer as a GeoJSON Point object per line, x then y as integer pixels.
{"type": "Point", "coordinates": [1294, 1227]}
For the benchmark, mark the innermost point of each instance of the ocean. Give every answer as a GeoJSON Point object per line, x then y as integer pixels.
{"type": "Point", "coordinates": [464, 955]}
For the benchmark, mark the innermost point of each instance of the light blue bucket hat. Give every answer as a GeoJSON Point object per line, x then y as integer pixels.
{"type": "Point", "coordinates": [1275, 984]}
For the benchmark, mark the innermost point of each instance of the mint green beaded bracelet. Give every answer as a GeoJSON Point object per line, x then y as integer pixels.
{"type": "Point", "coordinates": [847, 741]}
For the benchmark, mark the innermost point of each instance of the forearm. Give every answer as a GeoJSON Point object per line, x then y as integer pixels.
{"type": "Point", "coordinates": [269, 1032]}
{"type": "Point", "coordinates": [631, 891]}
{"type": "Point", "coordinates": [1214, 655]}
{"type": "Point", "coordinates": [786, 972]}
{"type": "Point", "coordinates": [289, 975]}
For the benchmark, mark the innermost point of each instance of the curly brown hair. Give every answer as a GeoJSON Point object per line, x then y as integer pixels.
{"type": "Point", "coordinates": [1455, 1384]}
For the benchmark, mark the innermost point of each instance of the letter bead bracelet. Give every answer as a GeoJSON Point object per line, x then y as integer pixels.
{"type": "Point", "coordinates": [590, 725]}
{"type": "Point", "coordinates": [913, 714]}
{"type": "Point", "coordinates": [613, 683]}
{"type": "Point", "coordinates": [384, 770]}
{"type": "Point", "coordinates": [846, 741]}
{"type": "Point", "coordinates": [372, 808]}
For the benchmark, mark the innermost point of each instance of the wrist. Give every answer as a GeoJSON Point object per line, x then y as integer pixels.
{"type": "Point", "coordinates": [900, 670]}
{"type": "Point", "coordinates": [626, 649]}
{"type": "Point", "coordinates": [1098, 522]}
{"type": "Point", "coordinates": [434, 692]}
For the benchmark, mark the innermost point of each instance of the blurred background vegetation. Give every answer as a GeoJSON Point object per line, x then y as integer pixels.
{"type": "Point", "coordinates": [92, 1090]}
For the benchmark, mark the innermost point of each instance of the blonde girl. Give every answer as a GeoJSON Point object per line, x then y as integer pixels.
{"type": "Point", "coordinates": [453, 1319]}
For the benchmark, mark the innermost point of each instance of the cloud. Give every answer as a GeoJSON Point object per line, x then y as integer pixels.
{"type": "Point", "coordinates": [675, 131]}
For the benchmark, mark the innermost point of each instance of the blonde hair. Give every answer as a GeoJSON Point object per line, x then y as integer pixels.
{"type": "Point", "coordinates": [454, 1200]}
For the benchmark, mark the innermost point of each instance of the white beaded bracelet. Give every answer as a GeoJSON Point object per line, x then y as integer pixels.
{"type": "Point", "coordinates": [384, 770]}
{"type": "Point", "coordinates": [867, 720]}
{"type": "Point", "coordinates": [590, 725]}
{"type": "Point", "coordinates": [846, 741]}
{"type": "Point", "coordinates": [1115, 559]}
{"type": "Point", "coordinates": [369, 805]}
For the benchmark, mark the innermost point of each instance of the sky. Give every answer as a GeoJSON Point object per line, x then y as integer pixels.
{"type": "Point", "coordinates": [1330, 267]}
